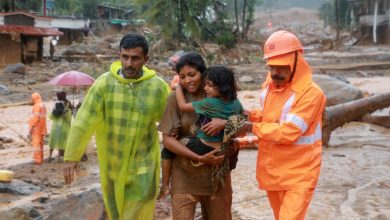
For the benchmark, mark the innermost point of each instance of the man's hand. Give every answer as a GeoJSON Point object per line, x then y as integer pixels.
{"type": "Point", "coordinates": [211, 158]}
{"type": "Point", "coordinates": [214, 126]}
{"type": "Point", "coordinates": [69, 170]}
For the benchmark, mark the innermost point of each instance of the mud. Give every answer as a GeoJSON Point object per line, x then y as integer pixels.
{"type": "Point", "coordinates": [354, 180]}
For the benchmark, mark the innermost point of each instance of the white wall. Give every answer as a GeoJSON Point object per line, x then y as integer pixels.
{"type": "Point", "coordinates": [42, 23]}
{"type": "Point", "coordinates": [69, 23]}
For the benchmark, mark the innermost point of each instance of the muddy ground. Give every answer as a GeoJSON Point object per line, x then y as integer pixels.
{"type": "Point", "coordinates": [354, 181]}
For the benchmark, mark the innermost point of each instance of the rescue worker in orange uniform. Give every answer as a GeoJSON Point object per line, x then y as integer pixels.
{"type": "Point", "coordinates": [288, 125]}
{"type": "Point", "coordinates": [37, 126]}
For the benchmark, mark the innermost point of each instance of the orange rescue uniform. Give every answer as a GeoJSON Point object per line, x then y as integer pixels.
{"type": "Point", "coordinates": [37, 126]}
{"type": "Point", "coordinates": [288, 125]}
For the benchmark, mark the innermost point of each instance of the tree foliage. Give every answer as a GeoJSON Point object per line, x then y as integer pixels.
{"type": "Point", "coordinates": [221, 21]}
{"type": "Point", "coordinates": [328, 12]}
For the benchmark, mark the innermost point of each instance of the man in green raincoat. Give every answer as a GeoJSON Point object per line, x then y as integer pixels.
{"type": "Point", "coordinates": [122, 107]}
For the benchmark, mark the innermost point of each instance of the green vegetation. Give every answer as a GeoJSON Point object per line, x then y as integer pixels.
{"type": "Point", "coordinates": [222, 21]}
{"type": "Point", "coordinates": [337, 16]}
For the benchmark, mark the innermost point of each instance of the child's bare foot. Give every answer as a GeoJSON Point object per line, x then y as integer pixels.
{"type": "Point", "coordinates": [164, 191]}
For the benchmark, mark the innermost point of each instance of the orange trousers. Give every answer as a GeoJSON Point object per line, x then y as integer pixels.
{"type": "Point", "coordinates": [37, 143]}
{"type": "Point", "coordinates": [291, 204]}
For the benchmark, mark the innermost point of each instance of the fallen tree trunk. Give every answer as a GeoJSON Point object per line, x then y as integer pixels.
{"type": "Point", "coordinates": [338, 115]}
{"type": "Point", "coordinates": [382, 120]}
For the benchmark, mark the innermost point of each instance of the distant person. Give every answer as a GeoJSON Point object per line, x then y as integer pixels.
{"type": "Point", "coordinates": [61, 117]}
{"type": "Point", "coordinates": [123, 107]}
{"type": "Point", "coordinates": [37, 127]}
{"type": "Point", "coordinates": [52, 50]}
{"type": "Point", "coordinates": [288, 126]}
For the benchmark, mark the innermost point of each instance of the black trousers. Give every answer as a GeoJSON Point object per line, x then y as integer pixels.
{"type": "Point", "coordinates": [194, 144]}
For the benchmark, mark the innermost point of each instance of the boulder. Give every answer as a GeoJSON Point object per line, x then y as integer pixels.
{"type": "Point", "coordinates": [337, 91]}
{"type": "Point", "coordinates": [4, 90]}
{"type": "Point", "coordinates": [15, 68]}
{"type": "Point", "coordinates": [20, 213]}
{"type": "Point", "coordinates": [246, 79]}
{"type": "Point", "coordinates": [85, 205]}
{"type": "Point", "coordinates": [18, 187]}
{"type": "Point", "coordinates": [78, 49]}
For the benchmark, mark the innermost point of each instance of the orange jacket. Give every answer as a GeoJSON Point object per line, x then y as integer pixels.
{"type": "Point", "coordinates": [288, 125]}
{"type": "Point", "coordinates": [37, 121]}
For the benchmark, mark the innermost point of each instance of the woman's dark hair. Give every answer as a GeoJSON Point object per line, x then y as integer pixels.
{"type": "Point", "coordinates": [223, 79]}
{"type": "Point", "coordinates": [192, 59]}
{"type": "Point", "coordinates": [134, 40]}
{"type": "Point", "coordinates": [61, 96]}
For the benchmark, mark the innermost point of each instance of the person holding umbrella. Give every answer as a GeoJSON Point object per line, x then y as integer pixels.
{"type": "Point", "coordinates": [61, 117]}
{"type": "Point", "coordinates": [122, 107]}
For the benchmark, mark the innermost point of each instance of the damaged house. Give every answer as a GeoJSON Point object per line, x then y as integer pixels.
{"type": "Point", "coordinates": [373, 19]}
{"type": "Point", "coordinates": [21, 37]}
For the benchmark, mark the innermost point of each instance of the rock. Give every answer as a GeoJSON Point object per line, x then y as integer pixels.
{"type": "Point", "coordinates": [22, 213]}
{"type": "Point", "coordinates": [78, 49]}
{"type": "Point", "coordinates": [4, 90]}
{"type": "Point", "coordinates": [15, 68]}
{"type": "Point", "coordinates": [85, 205]}
{"type": "Point", "coordinates": [6, 140]}
{"type": "Point", "coordinates": [361, 73]}
{"type": "Point", "coordinates": [110, 39]}
{"type": "Point", "coordinates": [31, 82]}
{"type": "Point", "coordinates": [342, 78]}
{"type": "Point", "coordinates": [18, 187]}
{"type": "Point", "coordinates": [41, 199]}
{"type": "Point", "coordinates": [249, 97]}
{"type": "Point", "coordinates": [337, 91]}
{"type": "Point", "coordinates": [246, 79]}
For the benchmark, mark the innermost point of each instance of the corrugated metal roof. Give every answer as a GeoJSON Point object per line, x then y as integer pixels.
{"type": "Point", "coordinates": [23, 13]}
{"type": "Point", "coordinates": [30, 31]}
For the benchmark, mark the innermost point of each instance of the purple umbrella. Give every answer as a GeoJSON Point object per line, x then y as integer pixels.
{"type": "Point", "coordinates": [72, 78]}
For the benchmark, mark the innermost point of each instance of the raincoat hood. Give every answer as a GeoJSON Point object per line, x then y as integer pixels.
{"type": "Point", "coordinates": [116, 66]}
{"type": "Point", "coordinates": [36, 98]}
{"type": "Point", "coordinates": [303, 73]}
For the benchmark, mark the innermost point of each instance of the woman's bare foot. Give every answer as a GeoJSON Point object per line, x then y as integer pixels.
{"type": "Point", "coordinates": [164, 191]}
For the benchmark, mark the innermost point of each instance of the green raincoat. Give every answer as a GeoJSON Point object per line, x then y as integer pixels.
{"type": "Point", "coordinates": [60, 130]}
{"type": "Point", "coordinates": [123, 113]}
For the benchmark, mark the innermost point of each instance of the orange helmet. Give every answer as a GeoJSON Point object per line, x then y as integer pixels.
{"type": "Point", "coordinates": [281, 42]}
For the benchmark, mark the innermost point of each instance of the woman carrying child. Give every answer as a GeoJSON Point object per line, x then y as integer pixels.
{"type": "Point", "coordinates": [191, 179]}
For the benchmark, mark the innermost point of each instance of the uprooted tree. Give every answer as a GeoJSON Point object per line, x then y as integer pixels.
{"type": "Point", "coordinates": [337, 115]}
